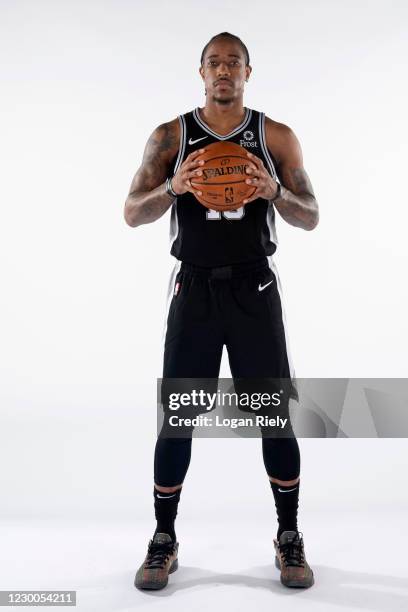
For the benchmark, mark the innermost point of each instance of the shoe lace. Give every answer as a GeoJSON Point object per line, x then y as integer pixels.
{"type": "Point", "coordinates": [158, 554]}
{"type": "Point", "coordinates": [293, 552]}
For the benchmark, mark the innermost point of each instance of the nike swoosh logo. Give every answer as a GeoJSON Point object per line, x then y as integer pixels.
{"type": "Point", "coordinates": [286, 490]}
{"type": "Point", "coordinates": [262, 287]}
{"type": "Point", "coordinates": [165, 496]}
{"type": "Point", "coordinates": [196, 140]}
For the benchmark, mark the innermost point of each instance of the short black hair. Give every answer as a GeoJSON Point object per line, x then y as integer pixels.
{"type": "Point", "coordinates": [231, 37]}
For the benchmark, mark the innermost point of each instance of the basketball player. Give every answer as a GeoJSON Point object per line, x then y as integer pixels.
{"type": "Point", "coordinates": [225, 289]}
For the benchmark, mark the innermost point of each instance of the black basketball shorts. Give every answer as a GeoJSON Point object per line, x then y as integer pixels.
{"type": "Point", "coordinates": [238, 306]}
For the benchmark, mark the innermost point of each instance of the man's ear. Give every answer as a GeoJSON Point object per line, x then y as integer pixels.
{"type": "Point", "coordinates": [201, 71]}
{"type": "Point", "coordinates": [248, 70]}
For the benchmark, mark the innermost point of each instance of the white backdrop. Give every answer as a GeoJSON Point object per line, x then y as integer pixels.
{"type": "Point", "coordinates": [83, 295]}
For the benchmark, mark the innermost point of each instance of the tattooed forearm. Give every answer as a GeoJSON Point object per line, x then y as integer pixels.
{"type": "Point", "coordinates": [297, 204]}
{"type": "Point", "coordinates": [147, 199]}
{"type": "Point", "coordinates": [147, 207]}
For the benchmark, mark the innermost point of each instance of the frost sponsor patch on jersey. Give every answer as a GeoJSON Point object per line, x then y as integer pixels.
{"type": "Point", "coordinates": [248, 140]}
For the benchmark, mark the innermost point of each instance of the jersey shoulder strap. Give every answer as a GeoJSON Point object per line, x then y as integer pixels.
{"type": "Point", "coordinates": [182, 144]}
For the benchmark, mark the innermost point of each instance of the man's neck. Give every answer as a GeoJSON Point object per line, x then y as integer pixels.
{"type": "Point", "coordinates": [223, 117]}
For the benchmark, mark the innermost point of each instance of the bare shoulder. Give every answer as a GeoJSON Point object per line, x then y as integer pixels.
{"type": "Point", "coordinates": [161, 148]}
{"type": "Point", "coordinates": [280, 138]}
{"type": "Point", "coordinates": [164, 141]}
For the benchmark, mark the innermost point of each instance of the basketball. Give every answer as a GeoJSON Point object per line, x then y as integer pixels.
{"type": "Point", "coordinates": [222, 182]}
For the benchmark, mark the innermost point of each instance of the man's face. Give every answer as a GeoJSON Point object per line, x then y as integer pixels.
{"type": "Point", "coordinates": [224, 72]}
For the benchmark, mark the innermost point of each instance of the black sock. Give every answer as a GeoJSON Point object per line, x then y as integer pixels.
{"type": "Point", "coordinates": [286, 502]}
{"type": "Point", "coordinates": [165, 507]}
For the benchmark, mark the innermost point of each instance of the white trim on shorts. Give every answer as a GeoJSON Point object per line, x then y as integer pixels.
{"type": "Point", "coordinates": [170, 293]}
{"type": "Point", "coordinates": [274, 269]}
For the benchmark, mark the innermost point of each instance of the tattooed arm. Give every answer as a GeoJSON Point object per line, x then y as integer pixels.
{"type": "Point", "coordinates": [297, 204]}
{"type": "Point", "coordinates": [147, 199]}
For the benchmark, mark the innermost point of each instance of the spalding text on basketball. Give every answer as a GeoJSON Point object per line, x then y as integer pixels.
{"type": "Point", "coordinates": [211, 172]}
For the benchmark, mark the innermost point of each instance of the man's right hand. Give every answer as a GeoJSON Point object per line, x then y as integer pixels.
{"type": "Point", "coordinates": [190, 168]}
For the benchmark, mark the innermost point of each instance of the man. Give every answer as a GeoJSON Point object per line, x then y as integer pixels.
{"type": "Point", "coordinates": [225, 288]}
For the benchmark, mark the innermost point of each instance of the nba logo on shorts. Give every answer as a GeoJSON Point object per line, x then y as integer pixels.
{"type": "Point", "coordinates": [176, 288]}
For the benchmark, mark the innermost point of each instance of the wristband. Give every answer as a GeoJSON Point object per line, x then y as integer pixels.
{"type": "Point", "coordinates": [169, 188]}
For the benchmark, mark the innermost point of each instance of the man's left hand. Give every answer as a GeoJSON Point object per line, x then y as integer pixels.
{"type": "Point", "coordinates": [266, 187]}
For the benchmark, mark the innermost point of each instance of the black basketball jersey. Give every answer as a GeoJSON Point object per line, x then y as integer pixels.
{"type": "Point", "coordinates": [211, 238]}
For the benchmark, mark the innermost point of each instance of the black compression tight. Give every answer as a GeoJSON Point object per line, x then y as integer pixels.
{"type": "Point", "coordinates": [281, 457]}
{"type": "Point", "coordinates": [172, 457]}
{"type": "Point", "coordinates": [171, 461]}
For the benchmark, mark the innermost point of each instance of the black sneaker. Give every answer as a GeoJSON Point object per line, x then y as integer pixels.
{"type": "Point", "coordinates": [161, 560]}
